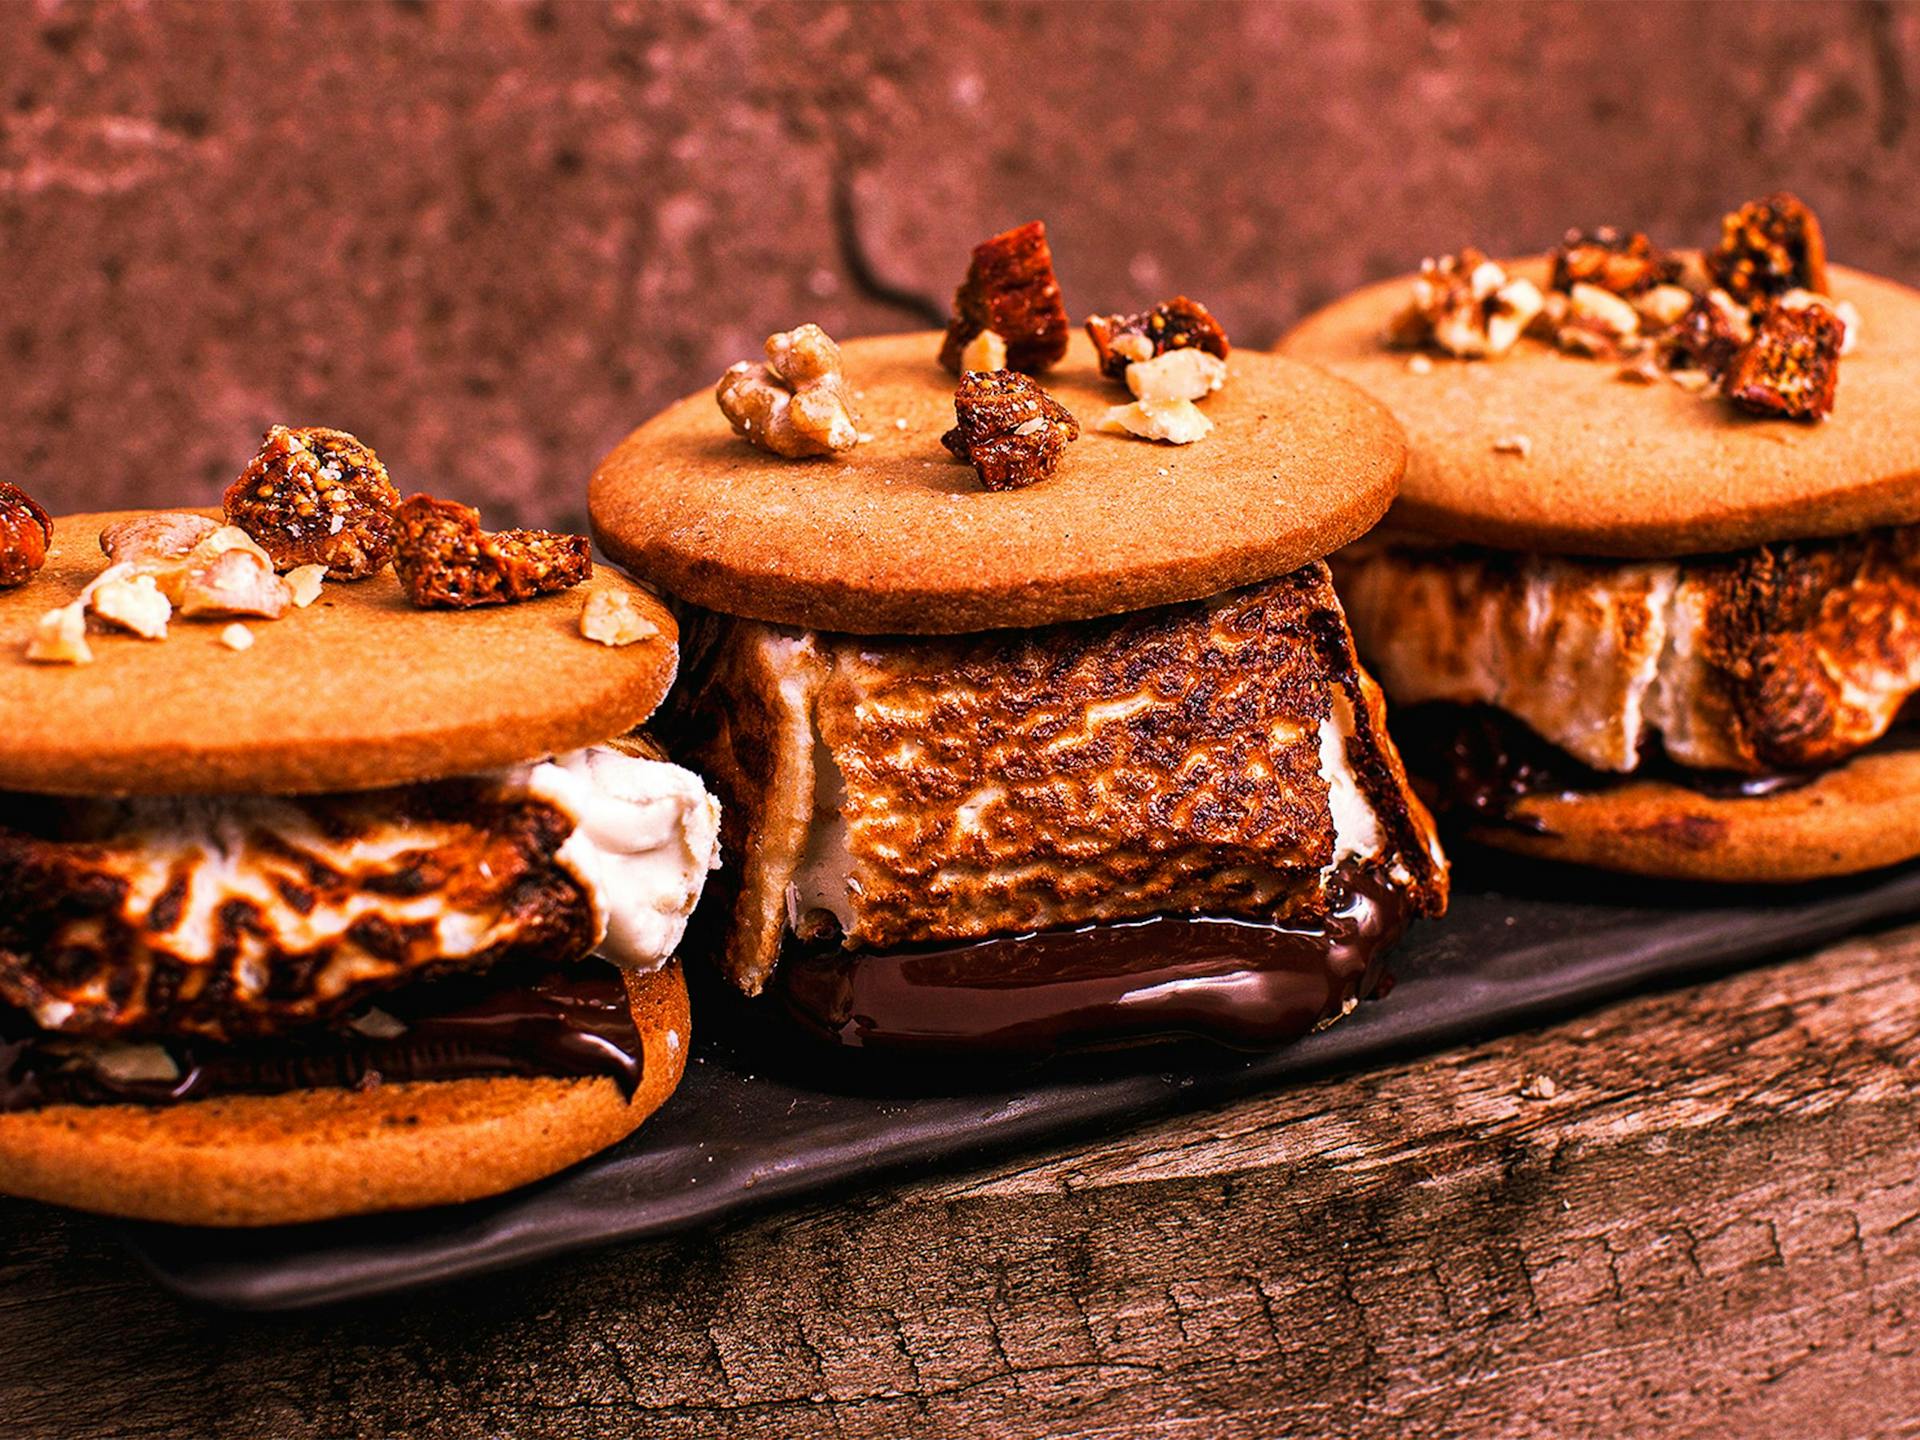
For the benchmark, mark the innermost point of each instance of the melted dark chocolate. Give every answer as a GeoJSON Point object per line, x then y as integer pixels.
{"type": "Point", "coordinates": [1235, 982]}
{"type": "Point", "coordinates": [564, 1021]}
{"type": "Point", "coordinates": [1477, 761]}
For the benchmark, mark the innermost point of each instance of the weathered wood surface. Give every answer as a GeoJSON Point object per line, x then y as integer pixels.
{"type": "Point", "coordinates": [1710, 1229]}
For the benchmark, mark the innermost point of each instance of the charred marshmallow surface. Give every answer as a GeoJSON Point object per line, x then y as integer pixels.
{"type": "Point", "coordinates": [1788, 656]}
{"type": "Point", "coordinates": [226, 917]}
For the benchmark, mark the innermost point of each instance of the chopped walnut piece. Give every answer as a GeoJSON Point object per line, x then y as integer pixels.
{"type": "Point", "coordinates": [1620, 261]}
{"type": "Point", "coordinates": [230, 580]}
{"type": "Point", "coordinates": [1466, 305]}
{"type": "Point", "coordinates": [26, 531]}
{"type": "Point", "coordinates": [797, 404]}
{"type": "Point", "coordinates": [1010, 289]}
{"type": "Point", "coordinates": [1172, 325]}
{"type": "Point", "coordinates": [60, 637]}
{"type": "Point", "coordinates": [1177, 375]}
{"type": "Point", "coordinates": [1791, 366]}
{"type": "Point", "coordinates": [162, 536]}
{"type": "Point", "coordinates": [609, 616]}
{"type": "Point", "coordinates": [1174, 422]}
{"type": "Point", "coordinates": [445, 561]}
{"type": "Point", "coordinates": [986, 351]}
{"type": "Point", "coordinates": [304, 583]}
{"type": "Point", "coordinates": [121, 597]}
{"type": "Point", "coordinates": [1010, 430]}
{"type": "Point", "coordinates": [316, 497]}
{"type": "Point", "coordinates": [1768, 247]}
{"type": "Point", "coordinates": [1706, 338]}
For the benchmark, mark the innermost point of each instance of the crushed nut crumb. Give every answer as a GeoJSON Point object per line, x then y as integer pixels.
{"type": "Point", "coordinates": [304, 583]}
{"type": "Point", "coordinates": [60, 637]}
{"type": "Point", "coordinates": [1420, 364]}
{"type": "Point", "coordinates": [314, 496]}
{"type": "Point", "coordinates": [445, 561]}
{"type": "Point", "coordinates": [609, 617]}
{"type": "Point", "coordinates": [1467, 306]}
{"type": "Point", "coordinates": [1171, 422]}
{"type": "Point", "coordinates": [1009, 429]}
{"type": "Point", "coordinates": [986, 351]}
{"type": "Point", "coordinates": [1539, 1087]}
{"type": "Point", "coordinates": [1010, 289]}
{"type": "Point", "coordinates": [1177, 375]}
{"type": "Point", "coordinates": [797, 403]}
{"type": "Point", "coordinates": [132, 602]}
{"type": "Point", "coordinates": [1521, 445]}
{"type": "Point", "coordinates": [237, 637]}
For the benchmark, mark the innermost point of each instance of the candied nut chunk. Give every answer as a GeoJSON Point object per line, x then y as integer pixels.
{"type": "Point", "coordinates": [1176, 324]}
{"type": "Point", "coordinates": [1768, 247]}
{"type": "Point", "coordinates": [1010, 289]}
{"type": "Point", "coordinates": [25, 532]}
{"type": "Point", "coordinates": [1706, 337]}
{"type": "Point", "coordinates": [316, 497]}
{"type": "Point", "coordinates": [1465, 305]}
{"type": "Point", "coordinates": [1010, 430]}
{"type": "Point", "coordinates": [1623, 262]}
{"type": "Point", "coordinates": [445, 561]}
{"type": "Point", "coordinates": [1174, 422]}
{"type": "Point", "coordinates": [1791, 367]}
{"type": "Point", "coordinates": [797, 404]}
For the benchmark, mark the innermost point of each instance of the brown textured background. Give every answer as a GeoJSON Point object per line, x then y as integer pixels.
{"type": "Point", "coordinates": [492, 238]}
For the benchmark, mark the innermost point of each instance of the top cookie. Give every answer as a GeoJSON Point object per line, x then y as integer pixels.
{"type": "Point", "coordinates": [358, 690]}
{"type": "Point", "coordinates": [1619, 469]}
{"type": "Point", "coordinates": [898, 536]}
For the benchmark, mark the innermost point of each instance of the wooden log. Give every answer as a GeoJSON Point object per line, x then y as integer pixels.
{"type": "Point", "coordinates": [1709, 1228]}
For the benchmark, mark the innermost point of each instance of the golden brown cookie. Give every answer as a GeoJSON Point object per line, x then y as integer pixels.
{"type": "Point", "coordinates": [320, 1154]}
{"type": "Point", "coordinates": [1616, 468]}
{"type": "Point", "coordinates": [897, 535]}
{"type": "Point", "coordinates": [1859, 816]}
{"type": "Point", "coordinates": [358, 690]}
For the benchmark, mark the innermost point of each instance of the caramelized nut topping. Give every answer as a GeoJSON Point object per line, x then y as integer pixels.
{"type": "Point", "coordinates": [1791, 367]}
{"type": "Point", "coordinates": [1176, 324]}
{"type": "Point", "coordinates": [25, 532]}
{"type": "Point", "coordinates": [1707, 337]}
{"type": "Point", "coordinates": [316, 497]}
{"type": "Point", "coordinates": [445, 561]}
{"type": "Point", "coordinates": [1010, 289]}
{"type": "Point", "coordinates": [797, 404]}
{"type": "Point", "coordinates": [1010, 430]}
{"type": "Point", "coordinates": [1624, 262]}
{"type": "Point", "coordinates": [1768, 247]}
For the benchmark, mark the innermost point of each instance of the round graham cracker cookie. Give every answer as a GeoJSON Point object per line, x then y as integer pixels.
{"type": "Point", "coordinates": [360, 689]}
{"type": "Point", "coordinates": [322, 1154]}
{"type": "Point", "coordinates": [1859, 816]}
{"type": "Point", "coordinates": [897, 535]}
{"type": "Point", "coordinates": [1617, 468]}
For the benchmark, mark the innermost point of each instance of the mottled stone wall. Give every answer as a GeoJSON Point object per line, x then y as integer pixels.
{"type": "Point", "coordinates": [492, 238]}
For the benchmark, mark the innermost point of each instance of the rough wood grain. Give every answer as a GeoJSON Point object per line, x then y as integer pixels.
{"type": "Point", "coordinates": [1710, 1229]}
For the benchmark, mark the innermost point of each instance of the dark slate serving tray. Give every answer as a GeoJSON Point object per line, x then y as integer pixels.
{"type": "Point", "coordinates": [760, 1120]}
